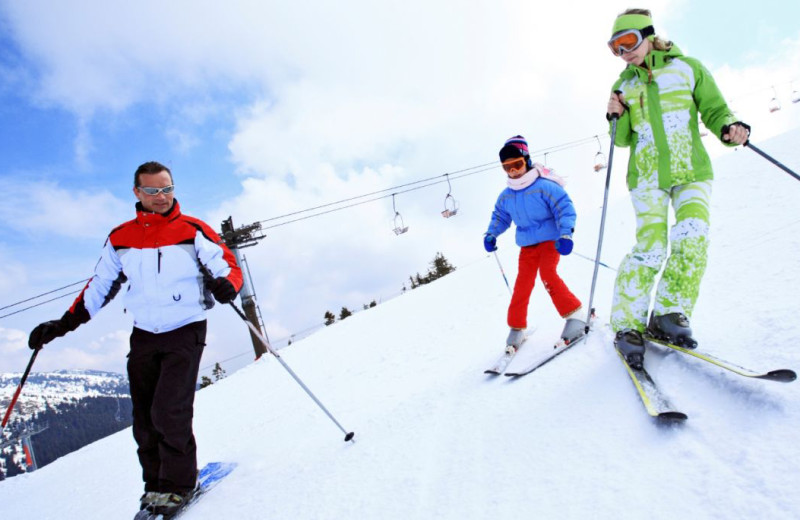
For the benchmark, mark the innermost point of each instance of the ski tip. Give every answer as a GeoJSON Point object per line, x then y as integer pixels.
{"type": "Point", "coordinates": [491, 372]}
{"type": "Point", "coordinates": [672, 416]}
{"type": "Point", "coordinates": [783, 375]}
{"type": "Point", "coordinates": [349, 436]}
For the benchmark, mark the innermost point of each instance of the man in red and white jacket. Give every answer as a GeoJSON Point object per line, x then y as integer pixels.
{"type": "Point", "coordinates": [171, 262]}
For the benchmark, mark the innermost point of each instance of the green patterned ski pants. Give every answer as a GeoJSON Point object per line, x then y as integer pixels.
{"type": "Point", "coordinates": [679, 285]}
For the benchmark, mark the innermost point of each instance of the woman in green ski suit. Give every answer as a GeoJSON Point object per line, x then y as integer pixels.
{"type": "Point", "coordinates": [657, 99]}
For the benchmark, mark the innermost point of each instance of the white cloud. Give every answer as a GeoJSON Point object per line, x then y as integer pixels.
{"type": "Point", "coordinates": [106, 352]}
{"type": "Point", "coordinates": [12, 341]}
{"type": "Point", "coordinates": [750, 98]}
{"type": "Point", "coordinates": [13, 274]}
{"type": "Point", "coordinates": [48, 209]}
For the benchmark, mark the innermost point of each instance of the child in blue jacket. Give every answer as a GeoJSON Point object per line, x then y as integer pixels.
{"type": "Point", "coordinates": [535, 201]}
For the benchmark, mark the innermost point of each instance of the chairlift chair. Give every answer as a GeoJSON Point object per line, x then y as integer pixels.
{"type": "Point", "coordinates": [774, 104]}
{"type": "Point", "coordinates": [600, 161]}
{"type": "Point", "coordinates": [450, 204]}
{"type": "Point", "coordinates": [399, 225]}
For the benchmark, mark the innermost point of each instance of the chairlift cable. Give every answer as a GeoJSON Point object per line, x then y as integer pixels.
{"type": "Point", "coordinates": [37, 304]}
{"type": "Point", "coordinates": [375, 192]}
{"type": "Point", "coordinates": [44, 294]}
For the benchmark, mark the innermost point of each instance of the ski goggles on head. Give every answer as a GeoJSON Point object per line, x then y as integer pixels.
{"type": "Point", "coordinates": [517, 163]}
{"type": "Point", "coordinates": [629, 40]}
{"type": "Point", "coordinates": [166, 190]}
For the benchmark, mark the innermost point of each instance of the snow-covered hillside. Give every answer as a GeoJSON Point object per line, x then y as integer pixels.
{"type": "Point", "coordinates": [59, 386]}
{"type": "Point", "coordinates": [436, 438]}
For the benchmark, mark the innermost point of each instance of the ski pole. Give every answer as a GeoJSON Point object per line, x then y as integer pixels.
{"type": "Point", "coordinates": [770, 159]}
{"type": "Point", "coordinates": [19, 389]}
{"type": "Point", "coordinates": [348, 435]}
{"type": "Point", "coordinates": [614, 119]}
{"type": "Point", "coordinates": [501, 271]}
{"type": "Point", "coordinates": [592, 260]}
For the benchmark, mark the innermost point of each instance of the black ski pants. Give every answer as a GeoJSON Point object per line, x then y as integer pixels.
{"type": "Point", "coordinates": [162, 370]}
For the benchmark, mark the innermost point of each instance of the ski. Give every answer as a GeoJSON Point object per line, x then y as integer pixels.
{"type": "Point", "coordinates": [547, 356]}
{"type": "Point", "coordinates": [656, 403]}
{"type": "Point", "coordinates": [559, 348]}
{"type": "Point", "coordinates": [208, 477]}
{"type": "Point", "coordinates": [503, 361]}
{"type": "Point", "coordinates": [783, 375]}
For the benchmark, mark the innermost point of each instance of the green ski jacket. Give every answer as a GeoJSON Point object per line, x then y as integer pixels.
{"type": "Point", "coordinates": [663, 98]}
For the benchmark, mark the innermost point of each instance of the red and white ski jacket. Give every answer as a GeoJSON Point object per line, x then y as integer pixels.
{"type": "Point", "coordinates": [165, 259]}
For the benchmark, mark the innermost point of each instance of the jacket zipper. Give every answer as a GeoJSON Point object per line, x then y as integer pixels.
{"type": "Point", "coordinates": [159, 260]}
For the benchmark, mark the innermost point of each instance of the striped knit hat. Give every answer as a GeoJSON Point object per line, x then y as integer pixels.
{"type": "Point", "coordinates": [515, 147]}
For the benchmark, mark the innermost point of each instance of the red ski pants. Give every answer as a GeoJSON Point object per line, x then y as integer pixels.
{"type": "Point", "coordinates": [542, 258]}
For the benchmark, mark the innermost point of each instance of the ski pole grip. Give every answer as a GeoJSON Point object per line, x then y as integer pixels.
{"type": "Point", "coordinates": [615, 115]}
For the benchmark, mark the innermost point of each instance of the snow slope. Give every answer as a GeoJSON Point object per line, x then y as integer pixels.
{"type": "Point", "coordinates": [435, 438]}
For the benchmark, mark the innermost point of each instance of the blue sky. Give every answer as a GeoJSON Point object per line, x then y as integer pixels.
{"type": "Point", "coordinates": [263, 108]}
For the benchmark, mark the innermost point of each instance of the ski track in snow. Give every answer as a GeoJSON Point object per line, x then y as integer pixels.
{"type": "Point", "coordinates": [438, 439]}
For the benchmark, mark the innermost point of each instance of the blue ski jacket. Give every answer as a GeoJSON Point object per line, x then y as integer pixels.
{"type": "Point", "coordinates": [543, 211]}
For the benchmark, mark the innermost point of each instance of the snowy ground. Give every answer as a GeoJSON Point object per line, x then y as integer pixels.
{"type": "Point", "coordinates": [435, 438]}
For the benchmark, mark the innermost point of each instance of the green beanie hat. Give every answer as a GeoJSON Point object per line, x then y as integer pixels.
{"type": "Point", "coordinates": [631, 21]}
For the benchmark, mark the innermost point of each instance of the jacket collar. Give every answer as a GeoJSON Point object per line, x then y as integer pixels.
{"type": "Point", "coordinates": [655, 59]}
{"type": "Point", "coordinates": [155, 219]}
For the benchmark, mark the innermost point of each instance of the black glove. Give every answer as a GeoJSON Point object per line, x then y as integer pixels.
{"type": "Point", "coordinates": [222, 289]}
{"type": "Point", "coordinates": [47, 332]}
{"type": "Point", "coordinates": [727, 128]}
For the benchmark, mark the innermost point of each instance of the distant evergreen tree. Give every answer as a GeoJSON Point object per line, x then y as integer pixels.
{"type": "Point", "coordinates": [205, 381]}
{"type": "Point", "coordinates": [329, 318]}
{"type": "Point", "coordinates": [218, 372]}
{"type": "Point", "coordinates": [439, 267]}
{"type": "Point", "coordinates": [370, 305]}
{"type": "Point", "coordinates": [344, 313]}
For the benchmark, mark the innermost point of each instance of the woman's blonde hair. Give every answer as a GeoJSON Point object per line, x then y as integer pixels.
{"type": "Point", "coordinates": [659, 43]}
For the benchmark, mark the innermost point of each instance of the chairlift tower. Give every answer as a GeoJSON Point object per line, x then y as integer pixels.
{"type": "Point", "coordinates": [24, 433]}
{"type": "Point", "coordinates": [236, 239]}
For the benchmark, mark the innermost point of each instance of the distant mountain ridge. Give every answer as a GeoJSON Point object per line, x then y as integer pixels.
{"type": "Point", "coordinates": [54, 388]}
{"type": "Point", "coordinates": [65, 384]}
{"type": "Point", "coordinates": [67, 408]}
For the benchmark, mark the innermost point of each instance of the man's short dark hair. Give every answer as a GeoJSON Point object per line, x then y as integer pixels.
{"type": "Point", "coordinates": [150, 167]}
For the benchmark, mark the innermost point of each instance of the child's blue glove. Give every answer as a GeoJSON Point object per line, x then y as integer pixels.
{"type": "Point", "coordinates": [564, 245]}
{"type": "Point", "coordinates": [489, 243]}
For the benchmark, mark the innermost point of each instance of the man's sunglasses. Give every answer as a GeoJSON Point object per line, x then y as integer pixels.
{"type": "Point", "coordinates": [166, 190]}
